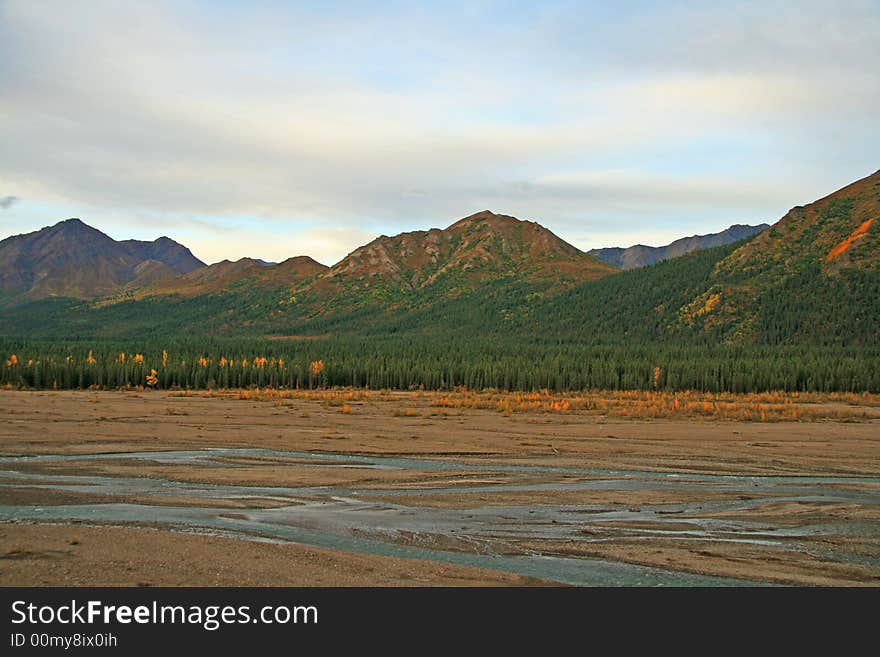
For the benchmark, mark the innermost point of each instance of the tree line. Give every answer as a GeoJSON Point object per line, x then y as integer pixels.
{"type": "Point", "coordinates": [442, 364]}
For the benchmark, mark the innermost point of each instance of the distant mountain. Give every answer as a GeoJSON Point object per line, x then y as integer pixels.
{"type": "Point", "coordinates": [165, 250]}
{"type": "Point", "coordinates": [227, 275]}
{"type": "Point", "coordinates": [641, 256]}
{"type": "Point", "coordinates": [72, 259]}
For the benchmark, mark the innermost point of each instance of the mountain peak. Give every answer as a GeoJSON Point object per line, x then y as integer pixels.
{"type": "Point", "coordinates": [73, 259]}
{"type": "Point", "coordinates": [491, 219]}
{"type": "Point", "coordinates": [482, 214]}
{"type": "Point", "coordinates": [75, 224]}
{"type": "Point", "coordinates": [480, 249]}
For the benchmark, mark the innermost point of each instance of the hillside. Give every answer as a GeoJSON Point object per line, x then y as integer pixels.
{"type": "Point", "coordinates": [424, 266]}
{"type": "Point", "coordinates": [72, 259]}
{"type": "Point", "coordinates": [815, 273]}
{"type": "Point", "coordinates": [641, 255]}
{"type": "Point", "coordinates": [226, 275]}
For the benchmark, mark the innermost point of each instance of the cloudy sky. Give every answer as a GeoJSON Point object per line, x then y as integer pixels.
{"type": "Point", "coordinates": [272, 129]}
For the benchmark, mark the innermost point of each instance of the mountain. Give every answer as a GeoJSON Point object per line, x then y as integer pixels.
{"type": "Point", "coordinates": [489, 302]}
{"type": "Point", "coordinates": [838, 232]}
{"type": "Point", "coordinates": [72, 259]}
{"type": "Point", "coordinates": [641, 256]}
{"type": "Point", "coordinates": [814, 275]}
{"type": "Point", "coordinates": [477, 248]}
{"type": "Point", "coordinates": [483, 248]}
{"type": "Point", "coordinates": [813, 278]}
{"type": "Point", "coordinates": [484, 256]}
{"type": "Point", "coordinates": [165, 250]}
{"type": "Point", "coordinates": [227, 275]}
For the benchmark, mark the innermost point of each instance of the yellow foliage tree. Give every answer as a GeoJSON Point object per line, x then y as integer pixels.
{"type": "Point", "coordinates": [316, 367]}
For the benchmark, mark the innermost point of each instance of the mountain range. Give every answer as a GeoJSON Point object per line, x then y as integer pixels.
{"type": "Point", "coordinates": [813, 276]}
{"type": "Point", "coordinates": [641, 255]}
{"type": "Point", "coordinates": [72, 259]}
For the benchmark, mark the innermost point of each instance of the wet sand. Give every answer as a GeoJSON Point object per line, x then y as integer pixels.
{"type": "Point", "coordinates": [50, 555]}
{"type": "Point", "coordinates": [782, 502]}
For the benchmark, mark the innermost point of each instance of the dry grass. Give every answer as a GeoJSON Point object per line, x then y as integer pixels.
{"type": "Point", "coordinates": [757, 407]}
{"type": "Point", "coordinates": [634, 404]}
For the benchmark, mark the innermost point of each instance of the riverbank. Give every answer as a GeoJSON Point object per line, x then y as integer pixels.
{"type": "Point", "coordinates": [77, 555]}
{"type": "Point", "coordinates": [513, 498]}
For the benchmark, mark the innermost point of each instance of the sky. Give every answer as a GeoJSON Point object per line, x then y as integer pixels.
{"type": "Point", "coordinates": [275, 129]}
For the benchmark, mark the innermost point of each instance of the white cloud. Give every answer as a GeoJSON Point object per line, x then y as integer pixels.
{"type": "Point", "coordinates": [169, 113]}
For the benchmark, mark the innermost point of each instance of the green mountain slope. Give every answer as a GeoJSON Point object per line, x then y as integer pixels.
{"type": "Point", "coordinates": [815, 275]}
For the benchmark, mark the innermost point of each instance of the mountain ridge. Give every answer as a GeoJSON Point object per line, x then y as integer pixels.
{"type": "Point", "coordinates": [219, 276]}
{"type": "Point", "coordinates": [812, 276]}
{"type": "Point", "coordinates": [73, 259]}
{"type": "Point", "coordinates": [640, 255]}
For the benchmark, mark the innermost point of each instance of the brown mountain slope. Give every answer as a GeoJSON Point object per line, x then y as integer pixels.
{"type": "Point", "coordinates": [73, 259]}
{"type": "Point", "coordinates": [823, 242]}
{"type": "Point", "coordinates": [226, 274]}
{"type": "Point", "coordinates": [477, 249]}
{"type": "Point", "coordinates": [177, 257]}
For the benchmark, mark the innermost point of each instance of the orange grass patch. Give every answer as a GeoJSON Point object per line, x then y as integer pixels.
{"type": "Point", "coordinates": [633, 404]}
{"type": "Point", "coordinates": [848, 242]}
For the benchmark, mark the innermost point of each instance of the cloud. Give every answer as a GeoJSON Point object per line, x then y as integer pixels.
{"type": "Point", "coordinates": [7, 202]}
{"type": "Point", "coordinates": [576, 117]}
{"type": "Point", "coordinates": [661, 192]}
